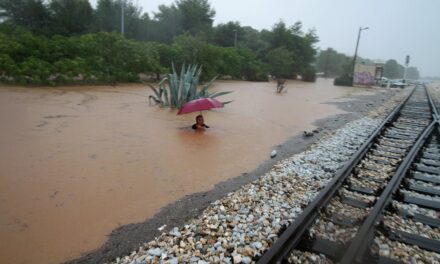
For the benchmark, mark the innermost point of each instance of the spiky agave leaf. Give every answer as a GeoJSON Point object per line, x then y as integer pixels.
{"type": "Point", "coordinates": [197, 74]}
{"type": "Point", "coordinates": [166, 101]}
{"type": "Point", "coordinates": [180, 98]}
{"type": "Point", "coordinates": [164, 91]}
{"type": "Point", "coordinates": [204, 91]}
{"type": "Point", "coordinates": [156, 92]}
{"type": "Point", "coordinates": [174, 87]}
{"type": "Point", "coordinates": [184, 87]}
{"type": "Point", "coordinates": [151, 97]}
{"type": "Point", "coordinates": [158, 95]}
{"type": "Point", "coordinates": [217, 94]}
{"type": "Point", "coordinates": [192, 82]}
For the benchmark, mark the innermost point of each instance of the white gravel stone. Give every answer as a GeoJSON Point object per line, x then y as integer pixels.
{"type": "Point", "coordinates": [155, 252]}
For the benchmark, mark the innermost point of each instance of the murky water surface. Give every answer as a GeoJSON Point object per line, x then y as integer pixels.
{"type": "Point", "coordinates": [77, 162]}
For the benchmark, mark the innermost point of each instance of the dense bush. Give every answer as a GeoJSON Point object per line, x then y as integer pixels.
{"type": "Point", "coordinates": [280, 62]}
{"type": "Point", "coordinates": [62, 41]}
{"type": "Point", "coordinates": [239, 63]}
{"type": "Point", "coordinates": [332, 63]}
{"type": "Point", "coordinates": [309, 75]}
{"type": "Point", "coordinates": [101, 57]}
{"type": "Point", "coordinates": [343, 80]}
{"type": "Point", "coordinates": [26, 58]}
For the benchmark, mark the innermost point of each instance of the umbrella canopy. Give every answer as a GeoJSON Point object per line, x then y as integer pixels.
{"type": "Point", "coordinates": [200, 105]}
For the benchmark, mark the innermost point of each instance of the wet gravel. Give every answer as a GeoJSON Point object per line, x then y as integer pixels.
{"type": "Point", "coordinates": [405, 253]}
{"type": "Point", "coordinates": [307, 257]}
{"type": "Point", "coordinates": [413, 209]}
{"type": "Point", "coordinates": [407, 225]}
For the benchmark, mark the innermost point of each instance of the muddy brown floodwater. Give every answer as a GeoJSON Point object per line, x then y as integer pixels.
{"type": "Point", "coordinates": [78, 162]}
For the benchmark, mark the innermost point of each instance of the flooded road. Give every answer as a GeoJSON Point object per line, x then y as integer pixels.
{"type": "Point", "coordinates": [77, 162]}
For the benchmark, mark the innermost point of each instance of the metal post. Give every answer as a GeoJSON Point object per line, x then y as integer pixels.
{"type": "Point", "coordinates": [326, 63]}
{"type": "Point", "coordinates": [355, 52]}
{"type": "Point", "coordinates": [122, 19]}
{"type": "Point", "coordinates": [404, 73]}
{"type": "Point", "coordinates": [406, 68]}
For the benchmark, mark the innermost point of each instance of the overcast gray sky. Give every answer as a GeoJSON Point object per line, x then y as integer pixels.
{"type": "Point", "coordinates": [397, 27]}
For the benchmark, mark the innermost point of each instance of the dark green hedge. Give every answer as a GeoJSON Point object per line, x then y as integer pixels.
{"type": "Point", "coordinates": [309, 75]}
{"type": "Point", "coordinates": [343, 80]}
{"type": "Point", "coordinates": [107, 57]}
{"type": "Point", "coordinates": [102, 57]}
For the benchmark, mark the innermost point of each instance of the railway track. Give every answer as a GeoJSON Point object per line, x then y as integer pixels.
{"type": "Point", "coordinates": [383, 206]}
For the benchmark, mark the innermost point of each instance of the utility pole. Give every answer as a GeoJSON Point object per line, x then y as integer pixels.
{"type": "Point", "coordinates": [326, 63]}
{"type": "Point", "coordinates": [122, 18]}
{"type": "Point", "coordinates": [355, 53]}
{"type": "Point", "coordinates": [406, 68]}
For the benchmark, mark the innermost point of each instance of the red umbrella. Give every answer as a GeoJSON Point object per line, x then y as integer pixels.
{"type": "Point", "coordinates": [199, 105]}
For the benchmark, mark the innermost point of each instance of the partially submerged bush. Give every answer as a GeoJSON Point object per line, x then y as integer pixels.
{"type": "Point", "coordinates": [309, 75]}
{"type": "Point", "coordinates": [343, 80]}
{"type": "Point", "coordinates": [174, 90]}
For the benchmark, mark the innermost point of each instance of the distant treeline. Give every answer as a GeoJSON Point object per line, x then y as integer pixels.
{"type": "Point", "coordinates": [332, 64]}
{"type": "Point", "coordinates": [62, 41]}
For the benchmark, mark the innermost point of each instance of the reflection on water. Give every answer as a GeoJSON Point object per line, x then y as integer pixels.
{"type": "Point", "coordinates": [77, 162]}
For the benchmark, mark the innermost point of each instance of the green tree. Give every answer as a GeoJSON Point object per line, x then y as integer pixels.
{"type": "Point", "coordinates": [252, 39]}
{"type": "Point", "coordinates": [195, 50]}
{"type": "Point", "coordinates": [280, 36]}
{"type": "Point", "coordinates": [197, 15]}
{"type": "Point", "coordinates": [107, 16]}
{"type": "Point", "coordinates": [292, 42]}
{"type": "Point", "coordinates": [71, 16]}
{"type": "Point", "coordinates": [412, 73]}
{"type": "Point", "coordinates": [167, 24]}
{"type": "Point", "coordinates": [331, 63]}
{"type": "Point", "coordinates": [392, 69]}
{"type": "Point", "coordinates": [101, 57]}
{"type": "Point", "coordinates": [224, 34]}
{"type": "Point", "coordinates": [134, 20]}
{"type": "Point", "coordinates": [280, 62]}
{"type": "Point", "coordinates": [251, 68]}
{"type": "Point", "coordinates": [31, 14]}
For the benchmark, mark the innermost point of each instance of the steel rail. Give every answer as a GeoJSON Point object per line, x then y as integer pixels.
{"type": "Point", "coordinates": [360, 242]}
{"type": "Point", "coordinates": [290, 238]}
{"type": "Point", "coordinates": [432, 104]}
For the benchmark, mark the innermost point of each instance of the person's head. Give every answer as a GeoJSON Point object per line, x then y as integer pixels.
{"type": "Point", "coordinates": [199, 120]}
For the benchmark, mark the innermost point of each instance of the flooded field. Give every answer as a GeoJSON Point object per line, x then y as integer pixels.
{"type": "Point", "coordinates": [77, 162]}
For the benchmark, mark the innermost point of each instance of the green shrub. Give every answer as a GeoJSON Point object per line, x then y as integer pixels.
{"type": "Point", "coordinates": [174, 90]}
{"type": "Point", "coordinates": [343, 80]}
{"type": "Point", "coordinates": [309, 75]}
{"type": "Point", "coordinates": [35, 71]}
{"type": "Point", "coordinates": [280, 62]}
{"type": "Point", "coordinates": [26, 58]}
{"type": "Point", "coordinates": [251, 68]}
{"type": "Point", "coordinates": [102, 57]}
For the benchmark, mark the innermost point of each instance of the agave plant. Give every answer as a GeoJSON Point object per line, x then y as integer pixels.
{"type": "Point", "coordinates": [174, 90]}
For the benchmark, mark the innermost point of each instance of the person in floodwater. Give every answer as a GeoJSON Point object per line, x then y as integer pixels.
{"type": "Point", "coordinates": [200, 123]}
